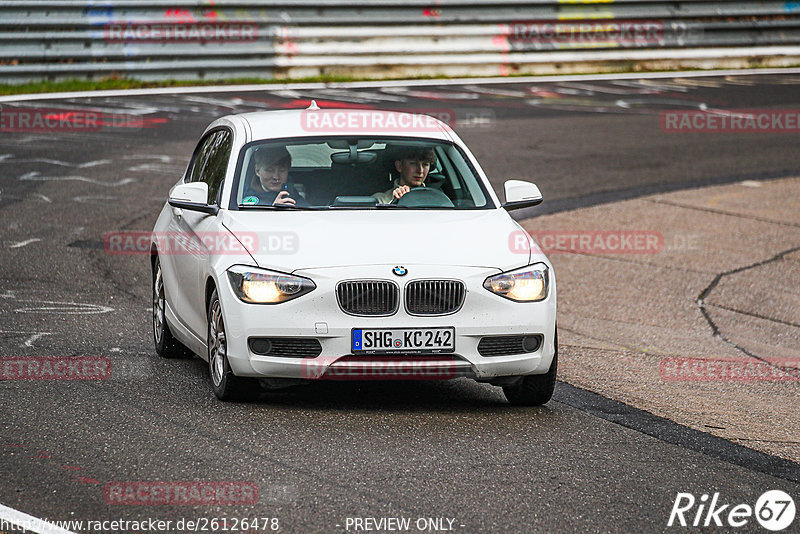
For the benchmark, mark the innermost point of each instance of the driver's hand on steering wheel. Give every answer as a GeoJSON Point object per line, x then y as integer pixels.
{"type": "Point", "coordinates": [400, 191]}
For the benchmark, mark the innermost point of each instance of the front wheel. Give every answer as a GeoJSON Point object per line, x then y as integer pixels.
{"type": "Point", "coordinates": [225, 384]}
{"type": "Point", "coordinates": [166, 344]}
{"type": "Point", "coordinates": [534, 390]}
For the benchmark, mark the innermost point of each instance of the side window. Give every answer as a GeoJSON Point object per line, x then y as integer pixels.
{"type": "Point", "coordinates": [211, 161]}
{"type": "Point", "coordinates": [200, 158]}
{"type": "Point", "coordinates": [219, 152]}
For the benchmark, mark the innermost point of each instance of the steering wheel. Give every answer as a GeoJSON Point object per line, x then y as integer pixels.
{"type": "Point", "coordinates": [424, 197]}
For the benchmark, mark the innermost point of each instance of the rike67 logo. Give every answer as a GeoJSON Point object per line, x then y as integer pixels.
{"type": "Point", "coordinates": [774, 510]}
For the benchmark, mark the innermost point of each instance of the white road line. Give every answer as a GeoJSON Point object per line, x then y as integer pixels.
{"type": "Point", "coordinates": [162, 157]}
{"type": "Point", "coordinates": [66, 163]}
{"type": "Point", "coordinates": [43, 197]}
{"type": "Point", "coordinates": [750, 183]}
{"type": "Point", "coordinates": [155, 168]}
{"type": "Point", "coordinates": [272, 88]}
{"type": "Point", "coordinates": [21, 244]}
{"type": "Point", "coordinates": [348, 95]}
{"type": "Point", "coordinates": [85, 165]}
{"type": "Point", "coordinates": [596, 88]}
{"type": "Point", "coordinates": [35, 177]}
{"type": "Point", "coordinates": [92, 198]}
{"type": "Point", "coordinates": [430, 95]}
{"type": "Point", "coordinates": [227, 103]}
{"type": "Point", "coordinates": [35, 337]}
{"type": "Point", "coordinates": [291, 92]}
{"type": "Point", "coordinates": [29, 522]}
{"type": "Point", "coordinates": [495, 92]}
{"type": "Point", "coordinates": [66, 308]}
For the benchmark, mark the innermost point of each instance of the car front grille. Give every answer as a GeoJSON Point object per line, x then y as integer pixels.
{"type": "Point", "coordinates": [508, 345]}
{"type": "Point", "coordinates": [286, 347]}
{"type": "Point", "coordinates": [434, 297]}
{"type": "Point", "coordinates": [368, 297]}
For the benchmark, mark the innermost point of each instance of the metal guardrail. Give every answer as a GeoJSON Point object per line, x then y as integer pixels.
{"type": "Point", "coordinates": [160, 39]}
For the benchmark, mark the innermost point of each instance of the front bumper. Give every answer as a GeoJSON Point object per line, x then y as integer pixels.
{"type": "Point", "coordinates": [317, 315]}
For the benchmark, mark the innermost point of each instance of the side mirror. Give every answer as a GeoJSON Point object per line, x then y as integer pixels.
{"type": "Point", "coordinates": [521, 194]}
{"type": "Point", "coordinates": [193, 197]}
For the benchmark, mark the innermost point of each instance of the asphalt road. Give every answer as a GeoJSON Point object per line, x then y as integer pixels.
{"type": "Point", "coordinates": [325, 453]}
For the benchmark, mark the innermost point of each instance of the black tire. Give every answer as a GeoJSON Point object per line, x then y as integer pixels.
{"type": "Point", "coordinates": [166, 344]}
{"type": "Point", "coordinates": [534, 390]}
{"type": "Point", "coordinates": [225, 384]}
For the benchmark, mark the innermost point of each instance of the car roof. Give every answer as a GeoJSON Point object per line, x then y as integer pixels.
{"type": "Point", "coordinates": [328, 122]}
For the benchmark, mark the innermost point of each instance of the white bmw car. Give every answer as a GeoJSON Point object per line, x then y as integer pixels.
{"type": "Point", "coordinates": [350, 244]}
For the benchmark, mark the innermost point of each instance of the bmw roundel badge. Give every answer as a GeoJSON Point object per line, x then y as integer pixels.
{"type": "Point", "coordinates": [400, 270]}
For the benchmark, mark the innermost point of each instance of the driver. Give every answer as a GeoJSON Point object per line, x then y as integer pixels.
{"type": "Point", "coordinates": [412, 165]}
{"type": "Point", "coordinates": [272, 166]}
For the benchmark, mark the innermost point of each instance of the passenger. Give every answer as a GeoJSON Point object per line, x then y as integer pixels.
{"type": "Point", "coordinates": [412, 165]}
{"type": "Point", "coordinates": [272, 166]}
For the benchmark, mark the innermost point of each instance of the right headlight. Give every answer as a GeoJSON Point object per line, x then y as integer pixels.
{"type": "Point", "coordinates": [260, 286]}
{"type": "Point", "coordinates": [528, 284]}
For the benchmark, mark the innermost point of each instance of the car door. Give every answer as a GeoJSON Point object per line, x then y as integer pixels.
{"type": "Point", "coordinates": [199, 230]}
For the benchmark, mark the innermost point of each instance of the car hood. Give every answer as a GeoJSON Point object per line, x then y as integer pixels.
{"type": "Point", "coordinates": [293, 240]}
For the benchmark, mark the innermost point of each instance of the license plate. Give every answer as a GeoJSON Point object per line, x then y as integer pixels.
{"type": "Point", "coordinates": [405, 340]}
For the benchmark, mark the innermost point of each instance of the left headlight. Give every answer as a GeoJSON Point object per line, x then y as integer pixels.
{"type": "Point", "coordinates": [260, 286]}
{"type": "Point", "coordinates": [528, 284]}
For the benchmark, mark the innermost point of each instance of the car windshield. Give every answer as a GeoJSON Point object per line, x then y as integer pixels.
{"type": "Point", "coordinates": [357, 173]}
